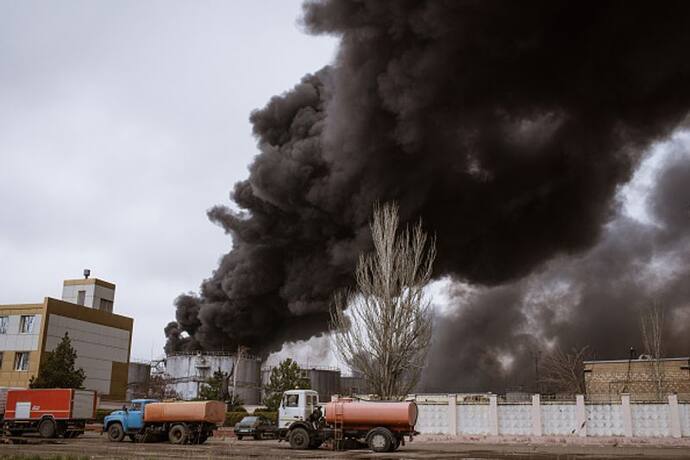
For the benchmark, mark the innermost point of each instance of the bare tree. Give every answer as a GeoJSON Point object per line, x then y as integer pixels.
{"type": "Point", "coordinates": [651, 326]}
{"type": "Point", "coordinates": [565, 372]}
{"type": "Point", "coordinates": [386, 330]}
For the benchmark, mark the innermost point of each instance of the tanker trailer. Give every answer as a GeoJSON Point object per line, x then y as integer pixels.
{"type": "Point", "coordinates": [382, 425]}
{"type": "Point", "coordinates": [180, 422]}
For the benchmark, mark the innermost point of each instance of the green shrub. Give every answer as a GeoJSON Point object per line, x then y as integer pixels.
{"type": "Point", "coordinates": [271, 415]}
{"type": "Point", "coordinates": [101, 413]}
{"type": "Point", "coordinates": [231, 418]}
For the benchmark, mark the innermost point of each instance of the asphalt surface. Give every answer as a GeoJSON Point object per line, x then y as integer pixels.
{"type": "Point", "coordinates": [93, 445]}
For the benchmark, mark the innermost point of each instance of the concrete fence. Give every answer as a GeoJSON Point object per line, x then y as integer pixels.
{"type": "Point", "coordinates": [538, 418]}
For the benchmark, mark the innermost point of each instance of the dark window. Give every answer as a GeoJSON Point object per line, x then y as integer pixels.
{"type": "Point", "coordinates": [21, 361]}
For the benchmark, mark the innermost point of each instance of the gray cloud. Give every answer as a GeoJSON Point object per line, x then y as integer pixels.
{"type": "Point", "coordinates": [120, 124]}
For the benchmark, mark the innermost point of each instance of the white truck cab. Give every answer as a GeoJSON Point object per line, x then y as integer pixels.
{"type": "Point", "coordinates": [296, 405]}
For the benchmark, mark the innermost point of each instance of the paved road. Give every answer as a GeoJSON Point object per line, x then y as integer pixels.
{"type": "Point", "coordinates": [95, 446]}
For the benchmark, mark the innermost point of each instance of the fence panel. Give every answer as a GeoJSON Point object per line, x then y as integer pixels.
{"type": "Point", "coordinates": [473, 419]}
{"type": "Point", "coordinates": [558, 419]}
{"type": "Point", "coordinates": [515, 419]}
{"type": "Point", "coordinates": [432, 418]}
{"type": "Point", "coordinates": [604, 420]}
{"type": "Point", "coordinates": [650, 420]}
{"type": "Point", "coordinates": [684, 410]}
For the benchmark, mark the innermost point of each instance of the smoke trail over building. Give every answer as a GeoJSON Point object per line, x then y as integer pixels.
{"type": "Point", "coordinates": [506, 126]}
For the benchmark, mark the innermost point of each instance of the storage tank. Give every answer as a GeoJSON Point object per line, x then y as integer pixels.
{"type": "Point", "coordinates": [189, 371]}
{"type": "Point", "coordinates": [393, 414]}
{"type": "Point", "coordinates": [325, 381]}
{"type": "Point", "coordinates": [188, 411]}
{"type": "Point", "coordinates": [138, 378]}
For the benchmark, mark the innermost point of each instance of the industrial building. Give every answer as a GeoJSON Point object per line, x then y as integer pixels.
{"type": "Point", "coordinates": [189, 371]}
{"type": "Point", "coordinates": [640, 378]}
{"type": "Point", "coordinates": [101, 339]}
{"type": "Point", "coordinates": [138, 378]}
{"type": "Point", "coordinates": [324, 380]}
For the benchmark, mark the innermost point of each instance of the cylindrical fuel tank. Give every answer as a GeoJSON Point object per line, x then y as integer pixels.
{"type": "Point", "coordinates": [185, 411]}
{"type": "Point", "coordinates": [373, 413]}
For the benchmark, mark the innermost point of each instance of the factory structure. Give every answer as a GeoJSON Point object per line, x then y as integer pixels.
{"type": "Point", "coordinates": [188, 372]}
{"type": "Point", "coordinates": [101, 339]}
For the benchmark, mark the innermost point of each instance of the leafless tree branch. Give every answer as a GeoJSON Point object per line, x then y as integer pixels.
{"type": "Point", "coordinates": [383, 328]}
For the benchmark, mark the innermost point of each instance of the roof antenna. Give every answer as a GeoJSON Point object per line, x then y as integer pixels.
{"type": "Point", "coordinates": [87, 273]}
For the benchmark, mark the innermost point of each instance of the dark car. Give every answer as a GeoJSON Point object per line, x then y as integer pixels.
{"type": "Point", "coordinates": [257, 426]}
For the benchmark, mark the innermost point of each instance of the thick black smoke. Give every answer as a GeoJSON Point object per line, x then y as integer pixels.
{"type": "Point", "coordinates": [593, 300]}
{"type": "Point", "coordinates": [506, 126]}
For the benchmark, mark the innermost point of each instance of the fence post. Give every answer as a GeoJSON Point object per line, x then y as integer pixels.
{"type": "Point", "coordinates": [674, 416]}
{"type": "Point", "coordinates": [580, 415]}
{"type": "Point", "coordinates": [493, 415]}
{"type": "Point", "coordinates": [536, 415]}
{"type": "Point", "coordinates": [627, 415]}
{"type": "Point", "coordinates": [452, 414]}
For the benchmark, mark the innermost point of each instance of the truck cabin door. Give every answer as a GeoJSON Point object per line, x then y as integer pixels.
{"type": "Point", "coordinates": [135, 416]}
{"type": "Point", "coordinates": [292, 409]}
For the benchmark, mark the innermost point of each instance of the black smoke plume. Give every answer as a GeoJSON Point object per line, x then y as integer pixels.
{"type": "Point", "coordinates": [595, 299]}
{"type": "Point", "coordinates": [506, 126]}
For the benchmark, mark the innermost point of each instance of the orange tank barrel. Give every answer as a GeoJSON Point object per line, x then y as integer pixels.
{"type": "Point", "coordinates": [373, 413]}
{"type": "Point", "coordinates": [185, 411]}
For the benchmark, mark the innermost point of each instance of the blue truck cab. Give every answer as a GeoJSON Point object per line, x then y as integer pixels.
{"type": "Point", "coordinates": [128, 421]}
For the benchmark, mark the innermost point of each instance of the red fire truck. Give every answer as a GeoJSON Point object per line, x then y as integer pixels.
{"type": "Point", "coordinates": [51, 412]}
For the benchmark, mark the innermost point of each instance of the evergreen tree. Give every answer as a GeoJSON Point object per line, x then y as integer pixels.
{"type": "Point", "coordinates": [216, 388]}
{"type": "Point", "coordinates": [287, 376]}
{"type": "Point", "coordinates": [57, 370]}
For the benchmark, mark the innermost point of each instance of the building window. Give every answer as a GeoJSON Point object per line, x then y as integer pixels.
{"type": "Point", "coordinates": [21, 361]}
{"type": "Point", "coordinates": [107, 305]}
{"type": "Point", "coordinates": [3, 324]}
{"type": "Point", "coordinates": [26, 324]}
{"type": "Point", "coordinates": [2, 354]}
{"type": "Point", "coordinates": [81, 297]}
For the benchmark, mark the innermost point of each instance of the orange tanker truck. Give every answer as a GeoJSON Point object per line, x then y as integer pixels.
{"type": "Point", "coordinates": [180, 422]}
{"type": "Point", "coordinates": [382, 425]}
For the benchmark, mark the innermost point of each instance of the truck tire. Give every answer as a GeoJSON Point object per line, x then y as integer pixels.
{"type": "Point", "coordinates": [299, 439]}
{"type": "Point", "coordinates": [380, 439]}
{"type": "Point", "coordinates": [47, 428]}
{"type": "Point", "coordinates": [178, 434]}
{"type": "Point", "coordinates": [116, 433]}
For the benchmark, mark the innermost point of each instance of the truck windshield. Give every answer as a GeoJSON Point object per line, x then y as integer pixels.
{"type": "Point", "coordinates": [135, 406]}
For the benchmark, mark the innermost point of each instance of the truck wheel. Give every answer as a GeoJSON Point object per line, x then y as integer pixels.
{"type": "Point", "coordinates": [178, 434]}
{"type": "Point", "coordinates": [116, 433]}
{"type": "Point", "coordinates": [380, 440]}
{"type": "Point", "coordinates": [47, 428]}
{"type": "Point", "coordinates": [299, 439]}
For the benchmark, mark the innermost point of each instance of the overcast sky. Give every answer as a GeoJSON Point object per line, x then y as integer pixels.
{"type": "Point", "coordinates": [121, 123]}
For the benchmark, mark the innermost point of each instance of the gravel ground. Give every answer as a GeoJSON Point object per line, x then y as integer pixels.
{"type": "Point", "coordinates": [92, 445]}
